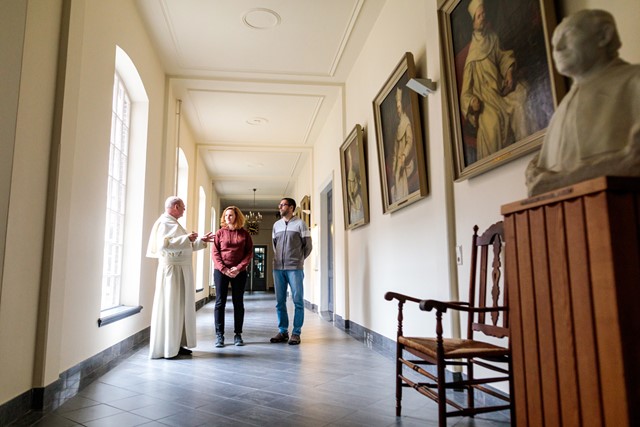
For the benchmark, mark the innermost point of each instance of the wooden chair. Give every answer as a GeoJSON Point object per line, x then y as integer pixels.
{"type": "Point", "coordinates": [486, 316]}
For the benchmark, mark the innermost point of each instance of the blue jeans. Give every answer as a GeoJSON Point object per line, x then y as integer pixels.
{"type": "Point", "coordinates": [293, 278]}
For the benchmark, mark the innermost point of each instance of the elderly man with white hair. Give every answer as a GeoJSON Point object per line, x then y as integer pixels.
{"type": "Point", "coordinates": [491, 99]}
{"type": "Point", "coordinates": [596, 129]}
{"type": "Point", "coordinates": [173, 318]}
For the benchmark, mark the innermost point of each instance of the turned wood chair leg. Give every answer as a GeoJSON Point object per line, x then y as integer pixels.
{"type": "Point", "coordinates": [398, 382]}
{"type": "Point", "coordinates": [442, 391]}
{"type": "Point", "coordinates": [442, 397]}
{"type": "Point", "coordinates": [470, 389]}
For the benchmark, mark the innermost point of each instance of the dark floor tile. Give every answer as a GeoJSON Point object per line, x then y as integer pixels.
{"type": "Point", "coordinates": [259, 415]}
{"type": "Point", "coordinates": [189, 419]}
{"type": "Point", "coordinates": [50, 420]}
{"type": "Point", "coordinates": [104, 393]}
{"type": "Point", "coordinates": [159, 410]}
{"type": "Point", "coordinates": [77, 402]}
{"type": "Point", "coordinates": [124, 419]}
{"type": "Point", "coordinates": [330, 379]}
{"type": "Point", "coordinates": [91, 413]}
{"type": "Point", "coordinates": [135, 402]}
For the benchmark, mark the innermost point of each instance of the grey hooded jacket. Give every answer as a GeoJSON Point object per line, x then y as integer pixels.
{"type": "Point", "coordinates": [291, 244]}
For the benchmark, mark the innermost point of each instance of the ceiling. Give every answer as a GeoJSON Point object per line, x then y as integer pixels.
{"type": "Point", "coordinates": [256, 80]}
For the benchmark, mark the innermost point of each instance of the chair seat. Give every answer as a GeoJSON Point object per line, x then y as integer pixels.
{"type": "Point", "coordinates": [487, 319]}
{"type": "Point", "coordinates": [454, 347]}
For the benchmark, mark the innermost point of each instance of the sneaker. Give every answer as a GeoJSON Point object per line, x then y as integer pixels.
{"type": "Point", "coordinates": [281, 337]}
{"type": "Point", "coordinates": [220, 341]}
{"type": "Point", "coordinates": [237, 340]}
{"type": "Point", "coordinates": [295, 339]}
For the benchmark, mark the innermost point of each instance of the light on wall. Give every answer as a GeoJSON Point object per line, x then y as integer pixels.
{"type": "Point", "coordinates": [422, 86]}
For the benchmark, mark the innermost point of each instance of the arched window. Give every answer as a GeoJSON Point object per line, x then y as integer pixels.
{"type": "Point", "coordinates": [183, 183]}
{"type": "Point", "coordinates": [125, 187]}
{"type": "Point", "coordinates": [202, 213]}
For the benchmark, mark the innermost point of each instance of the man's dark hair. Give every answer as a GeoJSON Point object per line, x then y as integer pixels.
{"type": "Point", "coordinates": [290, 201]}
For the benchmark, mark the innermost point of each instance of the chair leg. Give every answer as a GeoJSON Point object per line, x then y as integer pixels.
{"type": "Point", "coordinates": [470, 390]}
{"type": "Point", "coordinates": [442, 396]}
{"type": "Point", "coordinates": [398, 381]}
{"type": "Point", "coordinates": [512, 396]}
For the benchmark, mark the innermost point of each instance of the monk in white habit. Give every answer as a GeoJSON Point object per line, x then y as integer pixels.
{"type": "Point", "coordinates": [173, 319]}
{"type": "Point", "coordinates": [403, 161]}
{"type": "Point", "coordinates": [491, 98]}
{"type": "Point", "coordinates": [596, 129]}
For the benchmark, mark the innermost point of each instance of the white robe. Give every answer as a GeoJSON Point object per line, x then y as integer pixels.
{"type": "Point", "coordinates": [403, 159]}
{"type": "Point", "coordinates": [502, 120]}
{"type": "Point", "coordinates": [173, 318]}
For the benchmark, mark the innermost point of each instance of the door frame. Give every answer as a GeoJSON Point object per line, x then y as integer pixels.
{"type": "Point", "coordinates": [326, 237]}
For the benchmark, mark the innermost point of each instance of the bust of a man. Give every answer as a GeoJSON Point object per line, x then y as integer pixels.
{"type": "Point", "coordinates": [596, 129]}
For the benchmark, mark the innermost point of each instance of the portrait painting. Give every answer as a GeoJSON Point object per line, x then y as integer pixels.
{"type": "Point", "coordinates": [403, 175]}
{"type": "Point", "coordinates": [354, 180]}
{"type": "Point", "coordinates": [501, 86]}
{"type": "Point", "coordinates": [305, 210]}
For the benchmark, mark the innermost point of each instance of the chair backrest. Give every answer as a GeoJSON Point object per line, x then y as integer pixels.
{"type": "Point", "coordinates": [487, 285]}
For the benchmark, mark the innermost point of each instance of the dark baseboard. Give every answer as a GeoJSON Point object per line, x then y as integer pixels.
{"type": "Point", "coordinates": [340, 323]}
{"type": "Point", "coordinates": [387, 347]}
{"type": "Point", "coordinates": [204, 301]}
{"type": "Point", "coordinates": [310, 306]}
{"type": "Point", "coordinates": [15, 408]}
{"type": "Point", "coordinates": [373, 340]}
{"type": "Point", "coordinates": [73, 380]}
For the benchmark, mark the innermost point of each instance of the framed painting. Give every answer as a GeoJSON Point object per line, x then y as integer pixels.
{"type": "Point", "coordinates": [501, 85]}
{"type": "Point", "coordinates": [355, 195]}
{"type": "Point", "coordinates": [305, 210]}
{"type": "Point", "coordinates": [403, 174]}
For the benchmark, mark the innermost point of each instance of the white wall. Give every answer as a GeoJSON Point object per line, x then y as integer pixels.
{"type": "Point", "coordinates": [27, 111]}
{"type": "Point", "coordinates": [326, 172]}
{"type": "Point", "coordinates": [393, 251]}
{"type": "Point", "coordinates": [413, 250]}
{"type": "Point", "coordinates": [41, 341]}
{"type": "Point", "coordinates": [397, 251]}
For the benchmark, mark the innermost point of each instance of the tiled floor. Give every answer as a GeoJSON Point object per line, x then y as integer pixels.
{"type": "Point", "coordinates": [331, 379]}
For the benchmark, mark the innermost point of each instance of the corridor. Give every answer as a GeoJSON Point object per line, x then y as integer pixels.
{"type": "Point", "coordinates": [331, 379]}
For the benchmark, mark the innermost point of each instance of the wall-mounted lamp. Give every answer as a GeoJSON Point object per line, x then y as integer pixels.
{"type": "Point", "coordinates": [422, 86]}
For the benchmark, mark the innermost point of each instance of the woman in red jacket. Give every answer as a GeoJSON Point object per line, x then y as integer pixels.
{"type": "Point", "coordinates": [231, 252]}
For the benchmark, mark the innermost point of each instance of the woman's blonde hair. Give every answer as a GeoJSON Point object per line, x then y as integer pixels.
{"type": "Point", "coordinates": [240, 220]}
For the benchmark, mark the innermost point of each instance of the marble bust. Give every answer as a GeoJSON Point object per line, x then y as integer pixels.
{"type": "Point", "coordinates": [596, 129]}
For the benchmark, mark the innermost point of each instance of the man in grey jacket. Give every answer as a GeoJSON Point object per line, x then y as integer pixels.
{"type": "Point", "coordinates": [291, 245]}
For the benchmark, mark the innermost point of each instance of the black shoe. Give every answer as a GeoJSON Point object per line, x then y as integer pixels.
{"type": "Point", "coordinates": [237, 340]}
{"type": "Point", "coordinates": [184, 351]}
{"type": "Point", "coordinates": [281, 337]}
{"type": "Point", "coordinates": [220, 341]}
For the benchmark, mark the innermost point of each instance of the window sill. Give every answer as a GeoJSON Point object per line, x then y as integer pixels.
{"type": "Point", "coordinates": [117, 313]}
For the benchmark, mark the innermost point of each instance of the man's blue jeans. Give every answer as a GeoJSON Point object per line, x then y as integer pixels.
{"type": "Point", "coordinates": [293, 278]}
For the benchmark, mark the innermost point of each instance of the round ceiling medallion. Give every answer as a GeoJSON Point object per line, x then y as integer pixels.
{"type": "Point", "coordinates": [261, 19]}
{"type": "Point", "coordinates": [257, 121]}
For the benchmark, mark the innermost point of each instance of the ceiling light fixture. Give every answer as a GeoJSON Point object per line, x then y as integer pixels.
{"type": "Point", "coordinates": [257, 121]}
{"type": "Point", "coordinates": [261, 19]}
{"type": "Point", "coordinates": [253, 219]}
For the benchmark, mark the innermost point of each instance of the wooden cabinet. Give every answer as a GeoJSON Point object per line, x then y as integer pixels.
{"type": "Point", "coordinates": [573, 270]}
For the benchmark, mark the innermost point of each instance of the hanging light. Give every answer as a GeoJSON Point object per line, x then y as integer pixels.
{"type": "Point", "coordinates": [254, 218]}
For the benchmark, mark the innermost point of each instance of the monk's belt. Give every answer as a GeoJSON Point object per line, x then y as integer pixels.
{"type": "Point", "coordinates": [183, 263]}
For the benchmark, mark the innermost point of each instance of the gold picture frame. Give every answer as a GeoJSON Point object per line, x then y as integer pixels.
{"type": "Point", "coordinates": [500, 84]}
{"type": "Point", "coordinates": [304, 210]}
{"type": "Point", "coordinates": [355, 194]}
{"type": "Point", "coordinates": [403, 172]}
